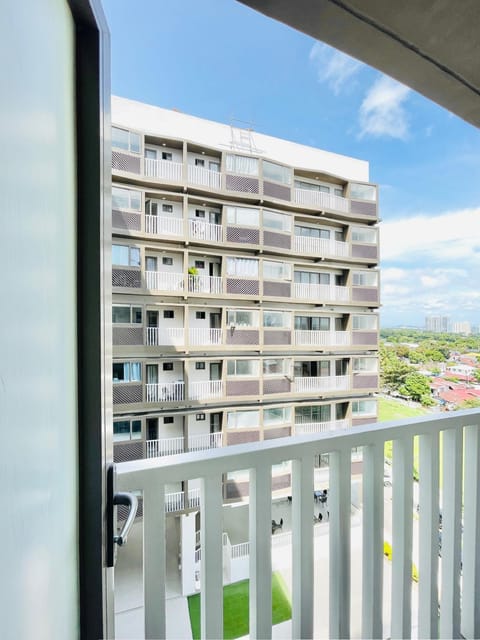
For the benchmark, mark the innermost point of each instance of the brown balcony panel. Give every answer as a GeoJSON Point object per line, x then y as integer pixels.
{"type": "Point", "coordinates": [278, 191]}
{"type": "Point", "coordinates": [279, 385]}
{"type": "Point", "coordinates": [125, 162]}
{"type": "Point", "coordinates": [241, 437]}
{"type": "Point", "coordinates": [365, 251]}
{"type": "Point", "coordinates": [280, 240]}
{"type": "Point", "coordinates": [281, 482]}
{"type": "Point", "coordinates": [126, 278]}
{"type": "Point", "coordinates": [365, 294]}
{"type": "Point", "coordinates": [242, 287]}
{"type": "Point", "coordinates": [127, 393]}
{"type": "Point", "coordinates": [127, 336]}
{"type": "Point", "coordinates": [243, 236]}
{"type": "Point", "coordinates": [126, 221]}
{"type": "Point", "coordinates": [124, 452]}
{"type": "Point", "coordinates": [357, 422]}
{"type": "Point", "coordinates": [363, 208]}
{"type": "Point", "coordinates": [365, 337]}
{"type": "Point", "coordinates": [280, 432]}
{"type": "Point", "coordinates": [242, 184]}
{"type": "Point", "coordinates": [242, 336]}
{"type": "Point", "coordinates": [243, 388]}
{"type": "Point", "coordinates": [277, 289]}
{"type": "Point", "coordinates": [365, 381]}
{"type": "Point", "coordinates": [277, 337]}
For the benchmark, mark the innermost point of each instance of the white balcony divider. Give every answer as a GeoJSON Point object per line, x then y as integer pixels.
{"type": "Point", "coordinates": [205, 177]}
{"type": "Point", "coordinates": [175, 502]}
{"type": "Point", "coordinates": [321, 199]}
{"type": "Point", "coordinates": [320, 427]}
{"type": "Point", "coordinates": [201, 230]}
{"type": "Point", "coordinates": [163, 336]}
{"type": "Point", "coordinates": [163, 226]}
{"type": "Point", "coordinates": [205, 441]}
{"type": "Point", "coordinates": [205, 284]}
{"type": "Point", "coordinates": [321, 383]}
{"type": "Point", "coordinates": [320, 246]}
{"type": "Point", "coordinates": [203, 336]}
{"type": "Point", "coordinates": [459, 598]}
{"type": "Point", "coordinates": [205, 389]}
{"type": "Point", "coordinates": [163, 169]}
{"type": "Point", "coordinates": [330, 292]}
{"type": "Point", "coordinates": [165, 392]}
{"type": "Point", "coordinates": [322, 338]}
{"type": "Point", "coordinates": [241, 550]}
{"type": "Point", "coordinates": [164, 447]}
{"type": "Point", "coordinates": [164, 281]}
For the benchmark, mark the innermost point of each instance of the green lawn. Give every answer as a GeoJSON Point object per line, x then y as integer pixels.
{"type": "Point", "coordinates": [390, 409]}
{"type": "Point", "coordinates": [235, 608]}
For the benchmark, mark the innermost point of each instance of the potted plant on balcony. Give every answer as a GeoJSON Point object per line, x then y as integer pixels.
{"type": "Point", "coordinates": [192, 271]}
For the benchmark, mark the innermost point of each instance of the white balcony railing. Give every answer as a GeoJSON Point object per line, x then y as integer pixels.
{"type": "Point", "coordinates": [165, 391]}
{"type": "Point", "coordinates": [163, 226]}
{"type": "Point", "coordinates": [163, 169]}
{"type": "Point", "coordinates": [164, 447]}
{"type": "Point", "coordinates": [201, 230]}
{"type": "Point", "coordinates": [303, 428]}
{"type": "Point", "coordinates": [321, 200]}
{"type": "Point", "coordinates": [322, 338]}
{"type": "Point", "coordinates": [321, 383]}
{"type": "Point", "coordinates": [164, 336]}
{"type": "Point", "coordinates": [448, 589]}
{"type": "Point", "coordinates": [205, 389]}
{"type": "Point", "coordinates": [320, 246]}
{"type": "Point", "coordinates": [201, 336]}
{"type": "Point", "coordinates": [205, 177]}
{"type": "Point", "coordinates": [176, 502]}
{"type": "Point", "coordinates": [205, 441]}
{"type": "Point", "coordinates": [205, 284]}
{"type": "Point", "coordinates": [164, 281]}
{"type": "Point", "coordinates": [330, 292]}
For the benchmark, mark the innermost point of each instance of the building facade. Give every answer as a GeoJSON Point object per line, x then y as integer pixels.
{"type": "Point", "coordinates": [245, 290]}
{"type": "Point", "coordinates": [437, 324]}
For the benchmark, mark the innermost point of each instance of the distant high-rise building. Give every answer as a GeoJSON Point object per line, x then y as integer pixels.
{"type": "Point", "coordinates": [462, 327]}
{"type": "Point", "coordinates": [437, 324]}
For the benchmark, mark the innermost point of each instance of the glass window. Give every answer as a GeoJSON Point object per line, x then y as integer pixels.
{"type": "Point", "coordinates": [242, 267]}
{"type": "Point", "coordinates": [126, 199]}
{"type": "Point", "coordinates": [311, 277]}
{"type": "Point", "coordinates": [275, 366]}
{"type": "Point", "coordinates": [167, 366]}
{"type": "Point", "coordinates": [308, 323]}
{"type": "Point", "coordinates": [338, 192]}
{"type": "Point", "coordinates": [277, 221]}
{"type": "Point", "coordinates": [242, 164]}
{"type": "Point", "coordinates": [363, 192]}
{"type": "Point", "coordinates": [167, 261]}
{"type": "Point", "coordinates": [200, 315]}
{"type": "Point", "coordinates": [126, 314]}
{"type": "Point", "coordinates": [136, 429]}
{"type": "Point", "coordinates": [277, 415]}
{"type": "Point", "coordinates": [169, 313]}
{"type": "Point", "coordinates": [365, 364]}
{"type": "Point", "coordinates": [214, 166]}
{"type": "Point", "coordinates": [199, 264]}
{"type": "Point", "coordinates": [276, 172]}
{"type": "Point", "coordinates": [200, 213]}
{"type": "Point", "coordinates": [277, 270]}
{"type": "Point", "coordinates": [150, 154]}
{"type": "Point", "coordinates": [120, 254]}
{"type": "Point", "coordinates": [364, 407]}
{"type": "Point", "coordinates": [243, 216]}
{"type": "Point", "coordinates": [365, 322]}
{"type": "Point", "coordinates": [319, 413]}
{"type": "Point", "coordinates": [126, 140]}
{"type": "Point", "coordinates": [243, 368]}
{"type": "Point", "coordinates": [167, 208]}
{"type": "Point", "coordinates": [242, 318]}
{"type": "Point", "coordinates": [200, 365]}
{"type": "Point", "coordinates": [365, 278]}
{"type": "Point", "coordinates": [199, 162]}
{"type": "Point", "coordinates": [168, 420]}
{"type": "Point", "coordinates": [166, 155]}
{"type": "Point", "coordinates": [243, 419]}
{"type": "Point", "coordinates": [364, 234]}
{"type": "Point", "coordinates": [277, 319]}
{"type": "Point", "coordinates": [127, 371]}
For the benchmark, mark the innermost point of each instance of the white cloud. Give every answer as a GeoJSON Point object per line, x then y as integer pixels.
{"type": "Point", "coordinates": [393, 274]}
{"type": "Point", "coordinates": [333, 67]}
{"type": "Point", "coordinates": [450, 236]}
{"type": "Point", "coordinates": [382, 113]}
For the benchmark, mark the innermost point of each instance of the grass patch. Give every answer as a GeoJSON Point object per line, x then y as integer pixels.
{"type": "Point", "coordinates": [389, 409]}
{"type": "Point", "coordinates": [235, 608]}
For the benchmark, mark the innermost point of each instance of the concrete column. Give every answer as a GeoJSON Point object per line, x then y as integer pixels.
{"type": "Point", "coordinates": [187, 537]}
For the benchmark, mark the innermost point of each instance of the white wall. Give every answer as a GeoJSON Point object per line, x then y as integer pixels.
{"type": "Point", "coordinates": [38, 362]}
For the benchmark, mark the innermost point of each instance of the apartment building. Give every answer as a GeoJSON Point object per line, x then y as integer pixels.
{"type": "Point", "coordinates": [245, 290]}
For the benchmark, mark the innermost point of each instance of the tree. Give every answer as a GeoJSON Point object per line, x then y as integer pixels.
{"type": "Point", "coordinates": [415, 385]}
{"type": "Point", "coordinates": [393, 370]}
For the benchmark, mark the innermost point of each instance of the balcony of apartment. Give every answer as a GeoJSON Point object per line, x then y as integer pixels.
{"type": "Point", "coordinates": [164, 336]}
{"type": "Point", "coordinates": [319, 241]}
{"type": "Point", "coordinates": [163, 161]}
{"type": "Point", "coordinates": [319, 286]}
{"type": "Point", "coordinates": [316, 426]}
{"type": "Point", "coordinates": [205, 223]}
{"type": "Point", "coordinates": [322, 338]}
{"type": "Point", "coordinates": [205, 389]}
{"type": "Point", "coordinates": [159, 392]}
{"type": "Point", "coordinates": [204, 275]}
{"type": "Point", "coordinates": [361, 594]}
{"type": "Point", "coordinates": [203, 168]}
{"type": "Point", "coordinates": [164, 218]}
{"type": "Point", "coordinates": [314, 384]}
{"type": "Point", "coordinates": [173, 446]}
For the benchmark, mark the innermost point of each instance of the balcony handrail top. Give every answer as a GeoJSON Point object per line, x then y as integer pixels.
{"type": "Point", "coordinates": [140, 474]}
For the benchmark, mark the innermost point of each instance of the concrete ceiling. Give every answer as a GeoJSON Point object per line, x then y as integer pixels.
{"type": "Point", "coordinates": [432, 46]}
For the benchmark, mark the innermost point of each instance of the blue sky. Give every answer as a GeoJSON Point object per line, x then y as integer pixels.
{"type": "Point", "coordinates": [220, 60]}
